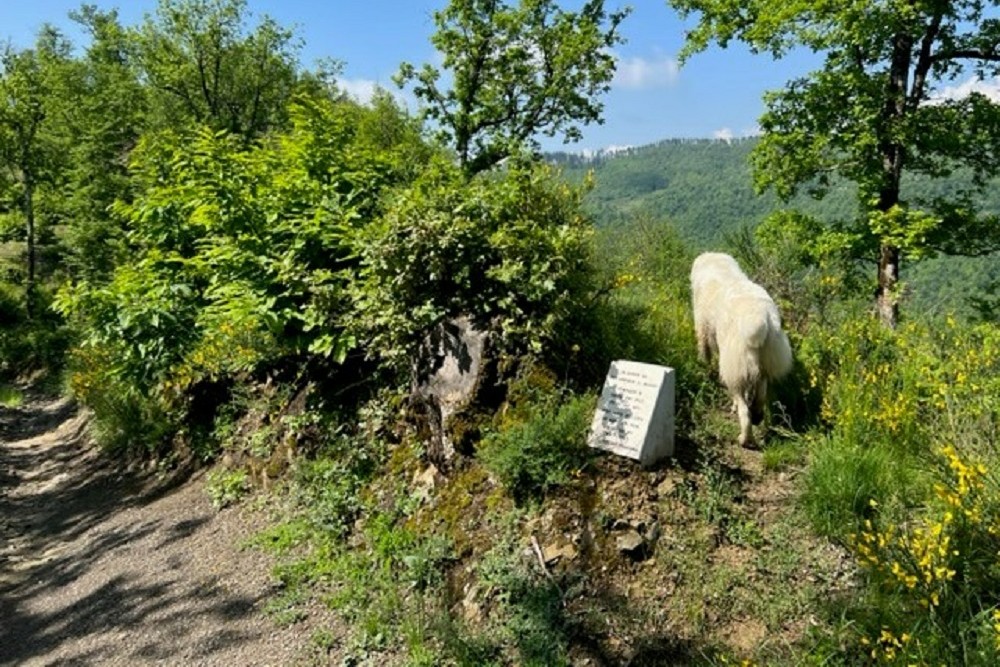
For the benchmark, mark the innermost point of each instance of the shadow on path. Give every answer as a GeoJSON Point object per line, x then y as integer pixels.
{"type": "Point", "coordinates": [101, 567]}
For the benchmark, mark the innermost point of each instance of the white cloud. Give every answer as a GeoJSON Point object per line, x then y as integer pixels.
{"type": "Point", "coordinates": [724, 134]}
{"type": "Point", "coordinates": [974, 84]}
{"type": "Point", "coordinates": [361, 90]}
{"type": "Point", "coordinates": [645, 73]}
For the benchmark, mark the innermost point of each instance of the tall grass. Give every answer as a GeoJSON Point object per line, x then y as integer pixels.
{"type": "Point", "coordinates": [901, 473]}
{"type": "Point", "coordinates": [10, 397]}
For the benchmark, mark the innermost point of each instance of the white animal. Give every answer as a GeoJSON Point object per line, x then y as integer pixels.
{"type": "Point", "coordinates": [737, 319]}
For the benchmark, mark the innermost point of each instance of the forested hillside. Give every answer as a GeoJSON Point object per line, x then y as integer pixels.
{"type": "Point", "coordinates": [703, 188]}
{"type": "Point", "coordinates": [392, 330]}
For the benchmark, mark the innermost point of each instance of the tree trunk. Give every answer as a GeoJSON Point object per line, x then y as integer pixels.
{"type": "Point", "coordinates": [892, 171]}
{"type": "Point", "coordinates": [29, 214]}
{"type": "Point", "coordinates": [888, 278]}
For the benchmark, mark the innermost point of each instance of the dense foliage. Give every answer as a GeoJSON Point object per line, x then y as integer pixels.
{"type": "Point", "coordinates": [243, 263]}
{"type": "Point", "coordinates": [704, 188]}
{"type": "Point", "coordinates": [870, 115]}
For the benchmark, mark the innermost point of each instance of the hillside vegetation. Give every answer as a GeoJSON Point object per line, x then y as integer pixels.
{"type": "Point", "coordinates": [703, 188]}
{"type": "Point", "coordinates": [252, 277]}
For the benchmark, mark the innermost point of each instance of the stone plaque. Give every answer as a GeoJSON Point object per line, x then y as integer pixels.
{"type": "Point", "coordinates": [635, 414]}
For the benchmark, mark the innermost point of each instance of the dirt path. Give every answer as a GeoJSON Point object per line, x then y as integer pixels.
{"type": "Point", "coordinates": [97, 568]}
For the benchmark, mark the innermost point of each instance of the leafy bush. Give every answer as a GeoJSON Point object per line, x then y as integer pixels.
{"type": "Point", "coordinates": [510, 249]}
{"type": "Point", "coordinates": [543, 447]}
{"type": "Point", "coordinates": [241, 254]}
{"type": "Point", "coordinates": [226, 487]}
{"type": "Point", "coordinates": [342, 236]}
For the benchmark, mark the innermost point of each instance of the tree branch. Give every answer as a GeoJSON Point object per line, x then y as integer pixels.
{"type": "Point", "coordinates": [968, 54]}
{"type": "Point", "coordinates": [924, 61]}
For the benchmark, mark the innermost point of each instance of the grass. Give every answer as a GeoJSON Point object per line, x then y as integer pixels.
{"type": "Point", "coordinates": [10, 397]}
{"type": "Point", "coordinates": [760, 557]}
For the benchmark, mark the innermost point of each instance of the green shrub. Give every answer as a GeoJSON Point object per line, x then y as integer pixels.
{"type": "Point", "coordinates": [226, 487]}
{"type": "Point", "coordinates": [33, 345]}
{"type": "Point", "coordinates": [543, 448]}
{"type": "Point", "coordinates": [511, 249]}
{"type": "Point", "coordinates": [126, 420]}
{"type": "Point", "coordinates": [10, 397]}
{"type": "Point", "coordinates": [844, 478]}
{"type": "Point", "coordinates": [11, 306]}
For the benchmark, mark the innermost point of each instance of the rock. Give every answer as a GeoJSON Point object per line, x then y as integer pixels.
{"type": "Point", "coordinates": [557, 551]}
{"type": "Point", "coordinates": [430, 477]}
{"type": "Point", "coordinates": [620, 524]}
{"type": "Point", "coordinates": [666, 487]}
{"type": "Point", "coordinates": [653, 531]}
{"type": "Point", "coordinates": [631, 543]}
{"type": "Point", "coordinates": [424, 482]}
{"type": "Point", "coordinates": [472, 610]}
{"type": "Point", "coordinates": [452, 372]}
{"type": "Point", "coordinates": [642, 522]}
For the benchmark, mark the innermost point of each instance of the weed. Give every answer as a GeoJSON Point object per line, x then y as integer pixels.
{"type": "Point", "coordinates": [543, 449]}
{"type": "Point", "coordinates": [226, 487]}
{"type": "Point", "coordinates": [10, 397]}
{"type": "Point", "coordinates": [285, 609]}
{"type": "Point", "coordinates": [531, 615]}
{"type": "Point", "coordinates": [779, 455]}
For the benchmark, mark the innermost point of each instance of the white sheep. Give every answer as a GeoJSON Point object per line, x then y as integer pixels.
{"type": "Point", "coordinates": [737, 319]}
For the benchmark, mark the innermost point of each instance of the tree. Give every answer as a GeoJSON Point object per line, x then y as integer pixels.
{"type": "Point", "coordinates": [106, 114]}
{"type": "Point", "coordinates": [203, 65]}
{"type": "Point", "coordinates": [31, 148]}
{"type": "Point", "coordinates": [870, 114]}
{"type": "Point", "coordinates": [517, 71]}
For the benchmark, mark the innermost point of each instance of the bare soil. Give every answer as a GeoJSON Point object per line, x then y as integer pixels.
{"type": "Point", "coordinates": [101, 567]}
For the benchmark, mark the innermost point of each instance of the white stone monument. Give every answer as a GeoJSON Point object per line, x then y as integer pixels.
{"type": "Point", "coordinates": [635, 414]}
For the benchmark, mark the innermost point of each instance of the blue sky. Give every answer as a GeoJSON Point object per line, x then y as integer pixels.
{"type": "Point", "coordinates": [715, 94]}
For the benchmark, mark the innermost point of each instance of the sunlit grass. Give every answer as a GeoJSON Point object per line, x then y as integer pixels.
{"type": "Point", "coordinates": [10, 397]}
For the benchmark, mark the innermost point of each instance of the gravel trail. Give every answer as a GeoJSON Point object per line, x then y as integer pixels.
{"type": "Point", "coordinates": [98, 567]}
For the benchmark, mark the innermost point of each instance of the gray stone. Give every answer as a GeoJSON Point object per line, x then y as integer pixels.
{"type": "Point", "coordinates": [635, 413]}
{"type": "Point", "coordinates": [452, 372]}
{"type": "Point", "coordinates": [666, 487]}
{"type": "Point", "coordinates": [559, 551]}
{"type": "Point", "coordinates": [631, 543]}
{"type": "Point", "coordinates": [424, 482]}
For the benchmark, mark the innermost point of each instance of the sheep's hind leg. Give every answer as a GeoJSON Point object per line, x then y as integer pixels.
{"type": "Point", "coordinates": [746, 428]}
{"type": "Point", "coordinates": [759, 406]}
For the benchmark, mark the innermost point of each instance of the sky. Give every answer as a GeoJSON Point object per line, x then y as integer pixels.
{"type": "Point", "coordinates": [717, 93]}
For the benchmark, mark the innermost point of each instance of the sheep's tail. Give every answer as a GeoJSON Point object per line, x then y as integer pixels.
{"type": "Point", "coordinates": [770, 352]}
{"type": "Point", "coordinates": [776, 352]}
{"type": "Point", "coordinates": [754, 329]}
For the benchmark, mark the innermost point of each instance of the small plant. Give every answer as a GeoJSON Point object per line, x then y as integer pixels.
{"type": "Point", "coordinates": [530, 615]}
{"type": "Point", "coordinates": [543, 448]}
{"type": "Point", "coordinates": [10, 397]}
{"type": "Point", "coordinates": [938, 575]}
{"type": "Point", "coordinates": [286, 608]}
{"type": "Point", "coordinates": [226, 487]}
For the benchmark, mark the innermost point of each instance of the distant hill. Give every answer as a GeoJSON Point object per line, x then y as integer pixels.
{"type": "Point", "coordinates": [703, 187]}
